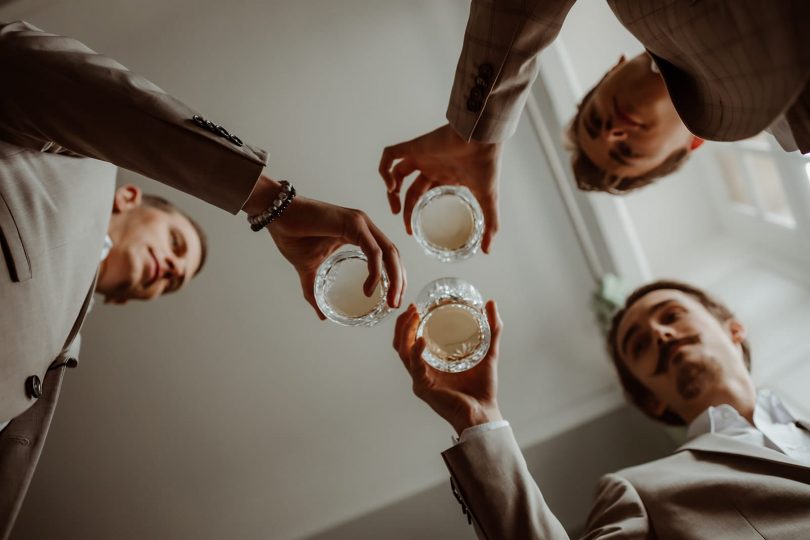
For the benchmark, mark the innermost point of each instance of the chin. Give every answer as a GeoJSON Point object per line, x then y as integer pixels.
{"type": "Point", "coordinates": [695, 379]}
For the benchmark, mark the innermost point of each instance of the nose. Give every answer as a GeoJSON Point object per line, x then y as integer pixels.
{"type": "Point", "coordinates": [616, 129]}
{"type": "Point", "coordinates": [174, 267]}
{"type": "Point", "coordinates": [663, 334]}
{"type": "Point", "coordinates": [615, 135]}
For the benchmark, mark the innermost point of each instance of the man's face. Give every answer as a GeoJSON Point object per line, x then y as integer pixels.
{"type": "Point", "coordinates": [154, 252]}
{"type": "Point", "coordinates": [629, 126]}
{"type": "Point", "coordinates": [684, 355]}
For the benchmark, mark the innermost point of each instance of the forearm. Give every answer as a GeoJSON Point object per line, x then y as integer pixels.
{"type": "Point", "coordinates": [59, 91]}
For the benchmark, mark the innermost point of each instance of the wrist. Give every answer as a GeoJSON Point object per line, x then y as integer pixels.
{"type": "Point", "coordinates": [477, 415]}
{"type": "Point", "coordinates": [262, 196]}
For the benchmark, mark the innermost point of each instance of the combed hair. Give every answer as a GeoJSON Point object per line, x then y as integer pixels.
{"type": "Point", "coordinates": [634, 390]}
{"type": "Point", "coordinates": [160, 203]}
{"type": "Point", "coordinates": [588, 175]}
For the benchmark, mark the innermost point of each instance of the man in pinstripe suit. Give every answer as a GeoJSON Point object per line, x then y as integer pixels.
{"type": "Point", "coordinates": [722, 70]}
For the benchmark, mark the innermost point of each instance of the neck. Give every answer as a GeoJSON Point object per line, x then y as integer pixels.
{"type": "Point", "coordinates": [739, 394]}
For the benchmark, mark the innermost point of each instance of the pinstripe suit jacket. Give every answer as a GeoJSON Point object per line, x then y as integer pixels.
{"type": "Point", "coordinates": [732, 67]}
{"type": "Point", "coordinates": [712, 487]}
{"type": "Point", "coordinates": [56, 94]}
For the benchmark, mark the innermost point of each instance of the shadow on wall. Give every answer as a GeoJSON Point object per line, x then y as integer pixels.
{"type": "Point", "coordinates": [567, 469]}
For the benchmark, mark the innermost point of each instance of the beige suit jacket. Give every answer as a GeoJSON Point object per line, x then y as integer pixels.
{"type": "Point", "coordinates": [713, 487]}
{"type": "Point", "coordinates": [732, 67]}
{"type": "Point", "coordinates": [68, 116]}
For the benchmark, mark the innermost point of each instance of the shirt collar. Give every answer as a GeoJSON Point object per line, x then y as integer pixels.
{"type": "Point", "coordinates": [769, 409]}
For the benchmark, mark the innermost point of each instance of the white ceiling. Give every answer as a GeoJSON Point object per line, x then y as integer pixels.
{"type": "Point", "coordinates": [229, 410]}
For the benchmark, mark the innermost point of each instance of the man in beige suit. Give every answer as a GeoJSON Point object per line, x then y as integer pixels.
{"type": "Point", "coordinates": [722, 70]}
{"type": "Point", "coordinates": [683, 359]}
{"type": "Point", "coordinates": [68, 117]}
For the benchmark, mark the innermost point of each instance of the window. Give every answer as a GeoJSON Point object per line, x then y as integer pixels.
{"type": "Point", "coordinates": [754, 183]}
{"type": "Point", "coordinates": [765, 195]}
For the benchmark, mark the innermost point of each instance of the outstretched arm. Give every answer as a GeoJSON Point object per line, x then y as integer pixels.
{"type": "Point", "coordinates": [495, 71]}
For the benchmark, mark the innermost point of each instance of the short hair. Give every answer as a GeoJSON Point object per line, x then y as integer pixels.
{"type": "Point", "coordinates": [588, 175]}
{"type": "Point", "coordinates": [154, 201]}
{"type": "Point", "coordinates": [634, 390]}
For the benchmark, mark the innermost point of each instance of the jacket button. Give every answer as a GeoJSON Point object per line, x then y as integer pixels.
{"type": "Point", "coordinates": [236, 140]}
{"type": "Point", "coordinates": [485, 70]}
{"type": "Point", "coordinates": [482, 82]}
{"type": "Point", "coordinates": [72, 362]}
{"type": "Point", "coordinates": [199, 120]}
{"type": "Point", "coordinates": [473, 105]}
{"type": "Point", "coordinates": [33, 387]}
{"type": "Point", "coordinates": [477, 93]}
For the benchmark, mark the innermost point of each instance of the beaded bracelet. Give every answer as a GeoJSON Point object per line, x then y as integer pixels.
{"type": "Point", "coordinates": [282, 201]}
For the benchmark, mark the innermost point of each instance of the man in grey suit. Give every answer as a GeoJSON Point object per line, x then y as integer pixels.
{"type": "Point", "coordinates": [682, 358]}
{"type": "Point", "coordinates": [720, 70]}
{"type": "Point", "coordinates": [68, 117]}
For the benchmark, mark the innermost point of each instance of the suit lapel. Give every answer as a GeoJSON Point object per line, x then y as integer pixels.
{"type": "Point", "coordinates": [723, 444]}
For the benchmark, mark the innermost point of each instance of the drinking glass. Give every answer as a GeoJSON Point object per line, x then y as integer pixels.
{"type": "Point", "coordinates": [448, 223]}
{"type": "Point", "coordinates": [453, 324]}
{"type": "Point", "coordinates": [339, 290]}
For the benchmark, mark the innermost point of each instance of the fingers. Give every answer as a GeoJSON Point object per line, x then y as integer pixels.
{"type": "Point", "coordinates": [418, 367]}
{"type": "Point", "coordinates": [308, 286]}
{"type": "Point", "coordinates": [401, 171]}
{"type": "Point", "coordinates": [374, 255]}
{"type": "Point", "coordinates": [419, 187]}
{"type": "Point", "coordinates": [492, 222]}
{"type": "Point", "coordinates": [495, 327]}
{"type": "Point", "coordinates": [389, 155]}
{"type": "Point", "coordinates": [404, 334]}
{"type": "Point", "coordinates": [397, 280]}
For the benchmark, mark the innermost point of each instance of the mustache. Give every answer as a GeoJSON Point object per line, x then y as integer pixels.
{"type": "Point", "coordinates": [665, 353]}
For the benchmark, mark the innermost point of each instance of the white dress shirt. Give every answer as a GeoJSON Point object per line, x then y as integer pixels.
{"type": "Point", "coordinates": [774, 427]}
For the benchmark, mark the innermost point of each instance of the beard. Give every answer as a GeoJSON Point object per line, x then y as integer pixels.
{"type": "Point", "coordinates": [693, 378]}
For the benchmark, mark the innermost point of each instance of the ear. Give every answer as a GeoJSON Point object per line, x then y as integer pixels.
{"type": "Point", "coordinates": [696, 143]}
{"type": "Point", "coordinates": [126, 198]}
{"type": "Point", "coordinates": [737, 331]}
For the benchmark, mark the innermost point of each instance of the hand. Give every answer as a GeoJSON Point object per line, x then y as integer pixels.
{"type": "Point", "coordinates": [309, 231]}
{"type": "Point", "coordinates": [464, 399]}
{"type": "Point", "coordinates": [442, 157]}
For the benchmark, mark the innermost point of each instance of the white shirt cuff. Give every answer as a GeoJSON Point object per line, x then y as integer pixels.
{"type": "Point", "coordinates": [474, 431]}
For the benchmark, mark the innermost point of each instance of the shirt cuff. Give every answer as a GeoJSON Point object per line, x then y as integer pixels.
{"type": "Point", "coordinates": [474, 431]}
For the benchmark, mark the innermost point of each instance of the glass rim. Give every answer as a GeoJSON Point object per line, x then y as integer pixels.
{"type": "Point", "coordinates": [471, 360]}
{"type": "Point", "coordinates": [473, 243]}
{"type": "Point", "coordinates": [373, 317]}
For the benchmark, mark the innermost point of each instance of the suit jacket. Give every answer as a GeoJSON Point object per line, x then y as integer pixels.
{"type": "Point", "coordinates": [712, 487]}
{"type": "Point", "coordinates": [68, 116]}
{"type": "Point", "coordinates": [732, 67]}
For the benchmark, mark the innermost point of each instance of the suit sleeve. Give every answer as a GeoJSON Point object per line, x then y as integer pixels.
{"type": "Point", "coordinates": [496, 488]}
{"type": "Point", "coordinates": [58, 92]}
{"type": "Point", "coordinates": [498, 64]}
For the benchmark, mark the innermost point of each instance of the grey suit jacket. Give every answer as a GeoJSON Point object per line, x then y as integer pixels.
{"type": "Point", "coordinates": [732, 67]}
{"type": "Point", "coordinates": [712, 487]}
{"type": "Point", "coordinates": [68, 116]}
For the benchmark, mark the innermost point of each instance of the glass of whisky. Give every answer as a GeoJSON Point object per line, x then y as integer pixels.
{"type": "Point", "coordinates": [448, 223]}
{"type": "Point", "coordinates": [453, 324]}
{"type": "Point", "coordinates": [339, 290]}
